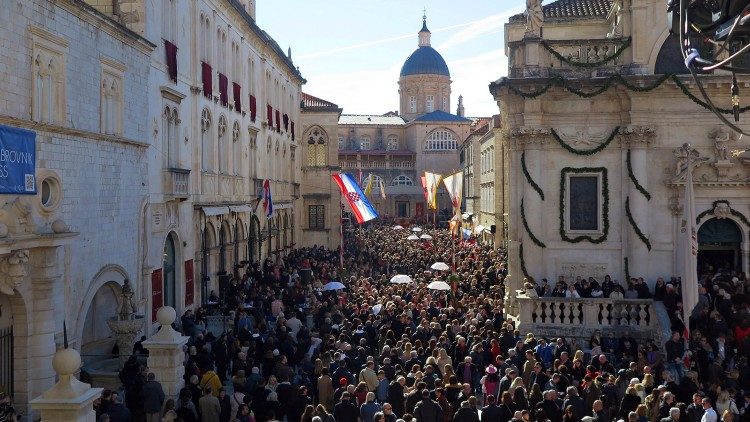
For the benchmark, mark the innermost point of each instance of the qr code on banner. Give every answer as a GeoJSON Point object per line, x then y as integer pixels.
{"type": "Point", "coordinates": [29, 178]}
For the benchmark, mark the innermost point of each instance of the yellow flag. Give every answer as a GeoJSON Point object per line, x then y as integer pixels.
{"type": "Point", "coordinates": [368, 188]}
{"type": "Point", "coordinates": [382, 189]}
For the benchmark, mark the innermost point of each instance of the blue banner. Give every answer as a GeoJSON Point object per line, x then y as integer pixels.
{"type": "Point", "coordinates": [17, 161]}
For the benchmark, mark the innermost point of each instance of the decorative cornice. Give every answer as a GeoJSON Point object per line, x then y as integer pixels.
{"type": "Point", "coordinates": [635, 136]}
{"type": "Point", "coordinates": [525, 136]}
{"type": "Point", "coordinates": [171, 94]}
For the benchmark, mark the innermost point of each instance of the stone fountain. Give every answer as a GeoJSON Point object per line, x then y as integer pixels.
{"type": "Point", "coordinates": [126, 324]}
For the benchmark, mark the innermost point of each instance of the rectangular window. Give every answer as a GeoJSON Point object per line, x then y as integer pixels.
{"type": "Point", "coordinates": [445, 104]}
{"type": "Point", "coordinates": [412, 104]}
{"type": "Point", "coordinates": [430, 105]}
{"type": "Point", "coordinates": [402, 209]}
{"type": "Point", "coordinates": [316, 216]}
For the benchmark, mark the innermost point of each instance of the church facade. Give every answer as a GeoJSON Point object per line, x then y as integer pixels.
{"type": "Point", "coordinates": [595, 110]}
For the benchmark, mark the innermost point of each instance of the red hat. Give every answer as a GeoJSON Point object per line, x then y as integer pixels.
{"type": "Point", "coordinates": [343, 381]}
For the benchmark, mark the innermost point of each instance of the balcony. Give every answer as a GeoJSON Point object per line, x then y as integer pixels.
{"type": "Point", "coordinates": [176, 183]}
{"type": "Point", "coordinates": [605, 52]}
{"type": "Point", "coordinates": [377, 165]}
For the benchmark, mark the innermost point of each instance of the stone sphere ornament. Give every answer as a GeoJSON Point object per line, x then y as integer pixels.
{"type": "Point", "coordinates": [66, 361]}
{"type": "Point", "coordinates": [166, 315]}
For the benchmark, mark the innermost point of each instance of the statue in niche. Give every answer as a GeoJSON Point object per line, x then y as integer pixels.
{"type": "Point", "coordinates": [616, 31]}
{"type": "Point", "coordinates": [534, 17]}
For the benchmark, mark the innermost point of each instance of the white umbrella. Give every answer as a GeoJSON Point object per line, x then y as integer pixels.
{"type": "Point", "coordinates": [334, 285]}
{"type": "Point", "coordinates": [398, 227]}
{"type": "Point", "coordinates": [413, 237]}
{"type": "Point", "coordinates": [438, 285]}
{"type": "Point", "coordinates": [425, 237]}
{"type": "Point", "coordinates": [440, 266]}
{"type": "Point", "coordinates": [376, 309]}
{"type": "Point", "coordinates": [478, 229]}
{"type": "Point", "coordinates": [416, 229]}
{"type": "Point", "coordinates": [401, 279]}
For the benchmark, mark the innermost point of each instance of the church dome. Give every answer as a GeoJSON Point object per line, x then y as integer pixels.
{"type": "Point", "coordinates": [425, 60]}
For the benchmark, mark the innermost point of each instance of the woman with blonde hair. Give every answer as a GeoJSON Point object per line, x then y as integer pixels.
{"type": "Point", "coordinates": [443, 359]}
{"type": "Point", "coordinates": [642, 413]}
{"type": "Point", "coordinates": [725, 403]}
{"type": "Point", "coordinates": [648, 383]}
{"type": "Point", "coordinates": [517, 382]}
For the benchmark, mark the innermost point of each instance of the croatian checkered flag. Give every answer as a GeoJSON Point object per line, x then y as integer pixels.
{"type": "Point", "coordinates": [350, 190]}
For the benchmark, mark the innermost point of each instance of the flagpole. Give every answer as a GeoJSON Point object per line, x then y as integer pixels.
{"type": "Point", "coordinates": [689, 284]}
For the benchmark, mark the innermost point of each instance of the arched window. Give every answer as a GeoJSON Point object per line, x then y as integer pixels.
{"type": "Point", "coordinates": [169, 271]}
{"type": "Point", "coordinates": [316, 148]}
{"type": "Point", "coordinates": [342, 143]}
{"type": "Point", "coordinates": [402, 181]}
{"type": "Point", "coordinates": [441, 140]}
{"type": "Point", "coordinates": [364, 143]}
{"type": "Point", "coordinates": [223, 163]}
{"type": "Point", "coordinates": [392, 143]}
{"type": "Point", "coordinates": [207, 144]}
{"type": "Point", "coordinates": [236, 148]}
{"type": "Point", "coordinates": [375, 181]}
{"type": "Point", "coordinates": [430, 104]}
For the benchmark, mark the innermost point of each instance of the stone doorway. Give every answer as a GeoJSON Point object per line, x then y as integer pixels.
{"type": "Point", "coordinates": [719, 246]}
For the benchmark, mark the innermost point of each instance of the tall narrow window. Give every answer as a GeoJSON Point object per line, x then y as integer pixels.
{"type": "Point", "coordinates": [445, 104]}
{"type": "Point", "coordinates": [317, 145]}
{"type": "Point", "coordinates": [316, 217]}
{"type": "Point", "coordinates": [392, 143]}
{"type": "Point", "coordinates": [364, 143]}
{"type": "Point", "coordinates": [430, 104]}
{"type": "Point", "coordinates": [412, 104]}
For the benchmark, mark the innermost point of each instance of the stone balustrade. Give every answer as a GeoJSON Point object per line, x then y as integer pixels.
{"type": "Point", "coordinates": [544, 61]}
{"type": "Point", "coordinates": [579, 318]}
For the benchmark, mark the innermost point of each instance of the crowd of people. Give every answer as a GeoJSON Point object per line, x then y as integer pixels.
{"type": "Point", "coordinates": [377, 351]}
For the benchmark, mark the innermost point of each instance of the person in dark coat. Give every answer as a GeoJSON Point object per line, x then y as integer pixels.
{"type": "Point", "coordinates": [226, 406]}
{"type": "Point", "coordinates": [629, 403]}
{"type": "Point", "coordinates": [427, 410]}
{"type": "Point", "coordinates": [117, 411]}
{"type": "Point", "coordinates": [467, 414]}
{"type": "Point", "coordinates": [345, 410]}
{"type": "Point", "coordinates": [491, 412]}
{"type": "Point", "coordinates": [298, 404]}
{"type": "Point", "coordinates": [396, 396]}
{"type": "Point", "coordinates": [572, 399]}
{"type": "Point", "coordinates": [153, 398]}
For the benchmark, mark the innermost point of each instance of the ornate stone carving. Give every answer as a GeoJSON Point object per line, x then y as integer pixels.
{"type": "Point", "coordinates": [681, 158]}
{"type": "Point", "coordinates": [13, 270]}
{"type": "Point", "coordinates": [722, 210]}
{"type": "Point", "coordinates": [616, 17]}
{"type": "Point", "coordinates": [524, 135]}
{"type": "Point", "coordinates": [635, 135]}
{"type": "Point", "coordinates": [583, 139]}
{"type": "Point", "coordinates": [572, 270]}
{"type": "Point", "coordinates": [722, 138]}
{"type": "Point", "coordinates": [534, 17]}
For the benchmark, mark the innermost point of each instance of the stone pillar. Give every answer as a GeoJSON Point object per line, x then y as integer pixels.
{"type": "Point", "coordinates": [638, 259]}
{"type": "Point", "coordinates": [69, 400]}
{"type": "Point", "coordinates": [532, 204]}
{"type": "Point", "coordinates": [165, 355]}
{"type": "Point", "coordinates": [46, 285]}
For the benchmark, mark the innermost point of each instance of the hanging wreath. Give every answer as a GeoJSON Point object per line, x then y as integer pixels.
{"type": "Point", "coordinates": [523, 261]}
{"type": "Point", "coordinates": [734, 212]}
{"type": "Point", "coordinates": [525, 171]}
{"type": "Point", "coordinates": [585, 151]}
{"type": "Point", "coordinates": [605, 205]}
{"type": "Point", "coordinates": [617, 79]}
{"type": "Point", "coordinates": [626, 43]}
{"type": "Point", "coordinates": [627, 270]}
{"type": "Point", "coordinates": [635, 227]}
{"type": "Point", "coordinates": [633, 179]}
{"type": "Point", "coordinates": [528, 230]}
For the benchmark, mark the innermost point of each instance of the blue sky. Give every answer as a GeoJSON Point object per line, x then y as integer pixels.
{"type": "Point", "coordinates": [351, 52]}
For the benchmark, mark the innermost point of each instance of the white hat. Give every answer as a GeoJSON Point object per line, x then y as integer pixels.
{"type": "Point", "coordinates": [275, 352]}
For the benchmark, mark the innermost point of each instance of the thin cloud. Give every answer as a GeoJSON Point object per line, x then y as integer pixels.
{"type": "Point", "coordinates": [476, 29]}
{"type": "Point", "coordinates": [465, 34]}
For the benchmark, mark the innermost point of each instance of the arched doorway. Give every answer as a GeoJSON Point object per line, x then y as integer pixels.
{"type": "Point", "coordinates": [170, 271]}
{"type": "Point", "coordinates": [719, 245]}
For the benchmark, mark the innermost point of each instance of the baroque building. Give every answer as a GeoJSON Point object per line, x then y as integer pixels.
{"type": "Point", "coordinates": [154, 126]}
{"type": "Point", "coordinates": [595, 109]}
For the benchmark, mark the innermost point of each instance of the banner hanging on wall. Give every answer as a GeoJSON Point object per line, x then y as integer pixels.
{"type": "Point", "coordinates": [17, 161]}
{"type": "Point", "coordinates": [157, 293]}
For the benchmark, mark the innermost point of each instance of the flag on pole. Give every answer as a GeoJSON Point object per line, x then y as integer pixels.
{"type": "Point", "coordinates": [455, 184]}
{"type": "Point", "coordinates": [267, 200]}
{"type": "Point", "coordinates": [689, 236]}
{"type": "Point", "coordinates": [368, 187]}
{"type": "Point", "coordinates": [424, 188]}
{"type": "Point", "coordinates": [382, 189]}
{"type": "Point", "coordinates": [432, 181]}
{"type": "Point", "coordinates": [361, 207]}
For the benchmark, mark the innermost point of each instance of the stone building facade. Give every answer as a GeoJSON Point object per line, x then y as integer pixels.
{"type": "Point", "coordinates": [398, 147]}
{"type": "Point", "coordinates": [596, 180]}
{"type": "Point", "coordinates": [156, 124]}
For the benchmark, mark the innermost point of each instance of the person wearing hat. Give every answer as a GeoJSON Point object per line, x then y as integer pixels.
{"type": "Point", "coordinates": [427, 410]}
{"type": "Point", "coordinates": [343, 383]}
{"type": "Point", "coordinates": [491, 381]}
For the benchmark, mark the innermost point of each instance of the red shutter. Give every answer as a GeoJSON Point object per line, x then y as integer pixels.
{"type": "Point", "coordinates": [157, 293]}
{"type": "Point", "coordinates": [285, 118]}
{"type": "Point", "coordinates": [236, 91]}
{"type": "Point", "coordinates": [269, 115]}
{"type": "Point", "coordinates": [171, 51]}
{"type": "Point", "coordinates": [223, 89]}
{"type": "Point", "coordinates": [207, 77]}
{"type": "Point", "coordinates": [189, 283]}
{"type": "Point", "coordinates": [253, 108]}
{"type": "Point", "coordinates": [278, 121]}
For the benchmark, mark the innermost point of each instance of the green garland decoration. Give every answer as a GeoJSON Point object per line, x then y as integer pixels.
{"type": "Point", "coordinates": [525, 171]}
{"type": "Point", "coordinates": [585, 151]}
{"type": "Point", "coordinates": [626, 43]}
{"type": "Point", "coordinates": [734, 212]}
{"type": "Point", "coordinates": [605, 206]}
{"type": "Point", "coordinates": [627, 270]}
{"type": "Point", "coordinates": [635, 227]}
{"type": "Point", "coordinates": [609, 82]}
{"type": "Point", "coordinates": [523, 262]}
{"type": "Point", "coordinates": [528, 229]}
{"type": "Point", "coordinates": [633, 179]}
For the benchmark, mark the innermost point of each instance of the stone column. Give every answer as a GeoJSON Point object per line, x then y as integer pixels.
{"type": "Point", "coordinates": [46, 285]}
{"type": "Point", "coordinates": [532, 204]}
{"type": "Point", "coordinates": [639, 208]}
{"type": "Point", "coordinates": [165, 355]}
{"type": "Point", "coordinates": [69, 400]}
